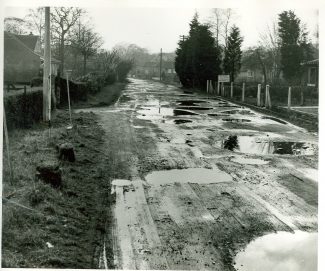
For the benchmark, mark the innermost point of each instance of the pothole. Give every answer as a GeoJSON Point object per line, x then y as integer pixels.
{"type": "Point", "coordinates": [281, 251]}
{"type": "Point", "coordinates": [190, 102]}
{"type": "Point", "coordinates": [236, 120]}
{"type": "Point", "coordinates": [194, 107]}
{"type": "Point", "coordinates": [181, 121]}
{"type": "Point", "coordinates": [178, 112]}
{"type": "Point", "coordinates": [189, 175]}
{"type": "Point", "coordinates": [251, 144]}
{"type": "Point", "coordinates": [235, 111]}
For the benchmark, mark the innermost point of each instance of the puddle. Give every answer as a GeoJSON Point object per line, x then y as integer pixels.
{"type": "Point", "coordinates": [194, 107]}
{"type": "Point", "coordinates": [154, 112]}
{"type": "Point", "coordinates": [190, 102]}
{"type": "Point", "coordinates": [274, 119]}
{"type": "Point", "coordinates": [217, 115]}
{"type": "Point", "coordinates": [189, 175]}
{"type": "Point", "coordinates": [282, 251]}
{"type": "Point", "coordinates": [178, 112]}
{"type": "Point", "coordinates": [242, 112]}
{"type": "Point", "coordinates": [181, 121]}
{"type": "Point", "coordinates": [236, 120]}
{"type": "Point", "coordinates": [250, 144]}
{"type": "Point", "coordinates": [249, 161]}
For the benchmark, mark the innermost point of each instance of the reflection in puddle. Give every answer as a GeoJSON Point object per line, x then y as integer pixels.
{"type": "Point", "coordinates": [282, 251]}
{"type": "Point", "coordinates": [249, 144]}
{"type": "Point", "coordinates": [236, 111]}
{"type": "Point", "coordinates": [190, 102]}
{"type": "Point", "coordinates": [189, 175]}
{"type": "Point", "coordinates": [249, 161]}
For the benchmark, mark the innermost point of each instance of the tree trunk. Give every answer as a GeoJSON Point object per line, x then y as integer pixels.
{"type": "Point", "coordinates": [62, 54]}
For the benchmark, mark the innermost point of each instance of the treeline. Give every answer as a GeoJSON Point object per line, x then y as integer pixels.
{"type": "Point", "coordinates": [215, 48]}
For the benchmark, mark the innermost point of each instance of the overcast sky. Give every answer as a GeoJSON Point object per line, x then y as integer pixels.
{"type": "Point", "coordinates": [155, 28]}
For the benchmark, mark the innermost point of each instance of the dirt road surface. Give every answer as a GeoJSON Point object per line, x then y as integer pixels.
{"type": "Point", "coordinates": [205, 178]}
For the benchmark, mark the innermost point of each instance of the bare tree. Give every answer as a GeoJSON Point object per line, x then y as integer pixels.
{"type": "Point", "coordinates": [270, 41]}
{"type": "Point", "coordinates": [15, 25]}
{"type": "Point", "coordinates": [221, 22]}
{"type": "Point", "coordinates": [85, 41]}
{"type": "Point", "coordinates": [63, 19]}
{"type": "Point", "coordinates": [35, 21]}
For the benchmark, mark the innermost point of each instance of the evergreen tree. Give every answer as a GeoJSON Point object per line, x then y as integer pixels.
{"type": "Point", "coordinates": [197, 57]}
{"type": "Point", "coordinates": [294, 46]}
{"type": "Point", "coordinates": [233, 53]}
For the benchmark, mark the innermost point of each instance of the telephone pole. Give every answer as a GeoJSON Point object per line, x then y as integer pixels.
{"type": "Point", "coordinates": [47, 69]}
{"type": "Point", "coordinates": [160, 64]}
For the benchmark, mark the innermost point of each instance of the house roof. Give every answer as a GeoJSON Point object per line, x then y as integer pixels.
{"type": "Point", "coordinates": [29, 40]}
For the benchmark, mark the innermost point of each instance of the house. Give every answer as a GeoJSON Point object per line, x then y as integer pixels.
{"type": "Point", "coordinates": [310, 73]}
{"type": "Point", "coordinates": [23, 58]}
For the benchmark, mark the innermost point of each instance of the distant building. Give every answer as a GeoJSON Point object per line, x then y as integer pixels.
{"type": "Point", "coordinates": [23, 58]}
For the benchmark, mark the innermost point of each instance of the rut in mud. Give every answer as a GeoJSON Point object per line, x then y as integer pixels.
{"type": "Point", "coordinates": [195, 196]}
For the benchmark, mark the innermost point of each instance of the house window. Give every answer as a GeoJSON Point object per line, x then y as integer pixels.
{"type": "Point", "coordinates": [250, 73]}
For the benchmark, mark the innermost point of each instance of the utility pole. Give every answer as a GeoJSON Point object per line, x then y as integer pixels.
{"type": "Point", "coordinates": [47, 69]}
{"type": "Point", "coordinates": [160, 64]}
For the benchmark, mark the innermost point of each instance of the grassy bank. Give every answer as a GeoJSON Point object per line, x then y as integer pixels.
{"type": "Point", "coordinates": [106, 96]}
{"type": "Point", "coordinates": [47, 227]}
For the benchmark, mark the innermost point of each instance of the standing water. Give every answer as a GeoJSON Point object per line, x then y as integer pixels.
{"type": "Point", "coordinates": [282, 251]}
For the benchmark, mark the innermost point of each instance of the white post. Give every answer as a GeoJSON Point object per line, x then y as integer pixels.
{"type": "Point", "coordinates": [223, 89]}
{"type": "Point", "coordinates": [218, 88]}
{"type": "Point", "coordinates": [243, 93]}
{"type": "Point", "coordinates": [266, 96]}
{"type": "Point", "coordinates": [231, 89]}
{"type": "Point", "coordinates": [259, 95]}
{"type": "Point", "coordinates": [289, 98]}
{"type": "Point", "coordinates": [69, 97]}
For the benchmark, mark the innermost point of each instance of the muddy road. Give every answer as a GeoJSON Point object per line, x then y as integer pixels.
{"type": "Point", "coordinates": [204, 179]}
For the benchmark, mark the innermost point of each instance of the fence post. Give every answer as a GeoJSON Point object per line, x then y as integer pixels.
{"type": "Point", "coordinates": [7, 146]}
{"type": "Point", "coordinates": [266, 96]}
{"type": "Point", "coordinates": [222, 90]}
{"type": "Point", "coordinates": [302, 96]}
{"type": "Point", "coordinates": [25, 107]}
{"type": "Point", "coordinates": [243, 93]}
{"type": "Point", "coordinates": [218, 89]}
{"type": "Point", "coordinates": [269, 97]}
{"type": "Point", "coordinates": [231, 90]}
{"type": "Point", "coordinates": [259, 95]}
{"type": "Point", "coordinates": [207, 86]}
{"type": "Point", "coordinates": [211, 86]}
{"type": "Point", "coordinates": [289, 98]}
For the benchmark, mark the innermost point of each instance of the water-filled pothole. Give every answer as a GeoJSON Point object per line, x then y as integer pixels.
{"type": "Point", "coordinates": [181, 121]}
{"type": "Point", "coordinates": [236, 111]}
{"type": "Point", "coordinates": [189, 175]}
{"type": "Point", "coordinates": [217, 115]}
{"type": "Point", "coordinates": [195, 107]}
{"type": "Point", "coordinates": [274, 119]}
{"type": "Point", "coordinates": [250, 144]}
{"type": "Point", "coordinates": [280, 251]}
{"type": "Point", "coordinates": [178, 112]}
{"type": "Point", "coordinates": [236, 120]}
{"type": "Point", "coordinates": [190, 102]}
{"type": "Point", "coordinates": [154, 112]}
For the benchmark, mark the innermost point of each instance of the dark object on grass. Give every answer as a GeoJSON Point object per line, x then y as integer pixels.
{"type": "Point", "coordinates": [66, 152]}
{"type": "Point", "coordinates": [50, 172]}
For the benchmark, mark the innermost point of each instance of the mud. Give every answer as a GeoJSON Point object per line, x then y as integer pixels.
{"type": "Point", "coordinates": [194, 204]}
{"type": "Point", "coordinates": [189, 175]}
